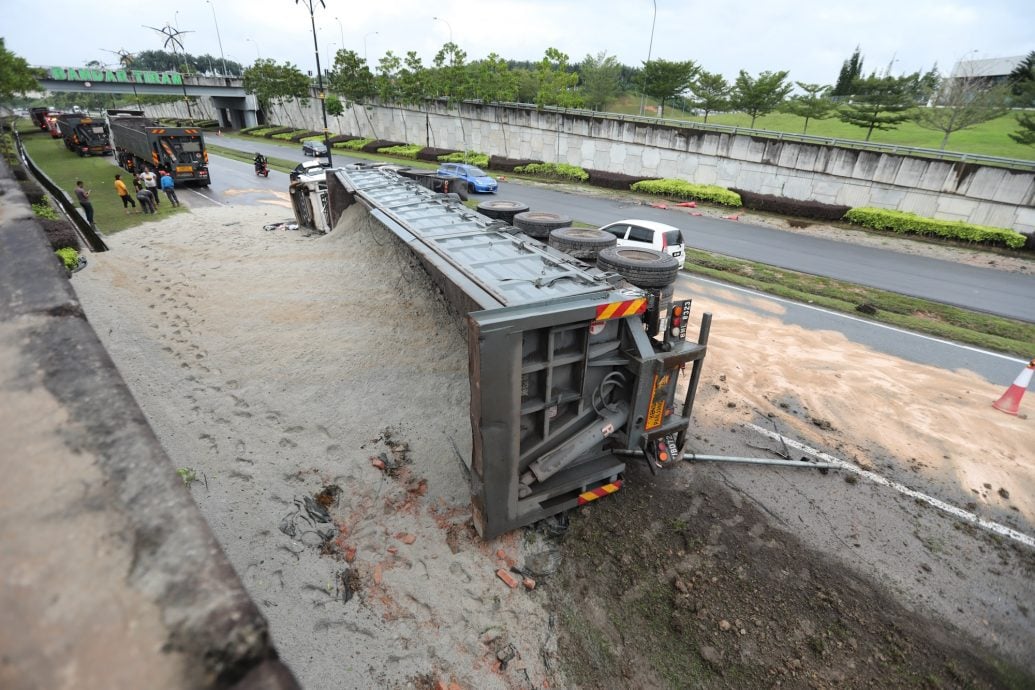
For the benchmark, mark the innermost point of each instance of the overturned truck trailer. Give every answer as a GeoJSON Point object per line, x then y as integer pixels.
{"type": "Point", "coordinates": [573, 369]}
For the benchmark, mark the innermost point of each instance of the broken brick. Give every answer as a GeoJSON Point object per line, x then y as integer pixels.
{"type": "Point", "coordinates": [393, 550]}
{"type": "Point", "coordinates": [529, 583]}
{"type": "Point", "coordinates": [501, 554]}
{"type": "Point", "coordinates": [507, 578]}
{"type": "Point", "coordinates": [350, 554]}
{"type": "Point", "coordinates": [377, 574]}
{"type": "Point", "coordinates": [408, 538]}
{"type": "Point", "coordinates": [378, 463]}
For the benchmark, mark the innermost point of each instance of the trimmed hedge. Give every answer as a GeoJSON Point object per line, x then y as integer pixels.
{"type": "Point", "coordinates": [471, 158]}
{"type": "Point", "coordinates": [373, 146]}
{"type": "Point", "coordinates": [791, 207]}
{"type": "Point", "coordinates": [260, 131]}
{"type": "Point", "coordinates": [610, 180]}
{"type": "Point", "coordinates": [430, 153]}
{"type": "Point", "coordinates": [352, 144]}
{"type": "Point", "coordinates": [290, 135]}
{"type": "Point", "coordinates": [307, 135]}
{"type": "Point", "coordinates": [508, 164]}
{"type": "Point", "coordinates": [910, 223]}
{"type": "Point", "coordinates": [403, 151]}
{"type": "Point", "coordinates": [69, 257]}
{"type": "Point", "coordinates": [554, 171]}
{"type": "Point", "coordinates": [681, 189]}
{"type": "Point", "coordinates": [339, 138]}
{"type": "Point", "coordinates": [270, 133]}
{"type": "Point", "coordinates": [251, 130]}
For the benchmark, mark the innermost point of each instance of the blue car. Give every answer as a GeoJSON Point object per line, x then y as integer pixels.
{"type": "Point", "coordinates": [477, 180]}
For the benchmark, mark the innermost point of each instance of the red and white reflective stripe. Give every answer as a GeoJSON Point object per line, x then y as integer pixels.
{"type": "Point", "coordinates": [599, 492]}
{"type": "Point", "coordinates": [618, 310]}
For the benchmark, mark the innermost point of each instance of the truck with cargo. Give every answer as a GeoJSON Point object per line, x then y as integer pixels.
{"type": "Point", "coordinates": [576, 347]}
{"type": "Point", "coordinates": [140, 143]}
{"type": "Point", "coordinates": [85, 135]}
{"type": "Point", "coordinates": [39, 116]}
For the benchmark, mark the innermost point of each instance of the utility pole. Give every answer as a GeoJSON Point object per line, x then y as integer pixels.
{"type": "Point", "coordinates": [319, 77]}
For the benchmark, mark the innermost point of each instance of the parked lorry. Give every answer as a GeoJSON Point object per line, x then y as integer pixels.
{"type": "Point", "coordinates": [39, 116]}
{"type": "Point", "coordinates": [574, 365]}
{"type": "Point", "coordinates": [139, 143]}
{"type": "Point", "coordinates": [85, 135]}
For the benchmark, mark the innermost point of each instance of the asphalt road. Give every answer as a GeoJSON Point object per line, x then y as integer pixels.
{"type": "Point", "coordinates": [980, 289]}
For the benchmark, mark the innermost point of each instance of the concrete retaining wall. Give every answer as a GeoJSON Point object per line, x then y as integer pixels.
{"type": "Point", "coordinates": [936, 189]}
{"type": "Point", "coordinates": [109, 575]}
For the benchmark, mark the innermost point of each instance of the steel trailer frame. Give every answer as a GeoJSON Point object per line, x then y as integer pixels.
{"type": "Point", "coordinates": [563, 370]}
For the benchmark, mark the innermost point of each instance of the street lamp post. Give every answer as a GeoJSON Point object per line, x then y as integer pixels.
{"type": "Point", "coordinates": [650, 47]}
{"type": "Point", "coordinates": [341, 33]}
{"type": "Point", "coordinates": [319, 77]}
{"type": "Point", "coordinates": [448, 26]}
{"type": "Point", "coordinates": [258, 54]}
{"type": "Point", "coordinates": [218, 37]}
{"type": "Point", "coordinates": [372, 33]}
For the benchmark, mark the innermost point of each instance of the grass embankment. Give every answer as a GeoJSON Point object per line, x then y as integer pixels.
{"type": "Point", "coordinates": [988, 138]}
{"type": "Point", "coordinates": [911, 313]}
{"type": "Point", "coordinates": [98, 175]}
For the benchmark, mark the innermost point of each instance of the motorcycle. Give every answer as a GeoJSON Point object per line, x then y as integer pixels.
{"type": "Point", "coordinates": [261, 168]}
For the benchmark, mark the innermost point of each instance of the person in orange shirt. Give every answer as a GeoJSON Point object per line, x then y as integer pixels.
{"type": "Point", "coordinates": [120, 189]}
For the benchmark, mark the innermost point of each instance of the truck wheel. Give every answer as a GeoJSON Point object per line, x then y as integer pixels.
{"type": "Point", "coordinates": [538, 224]}
{"type": "Point", "coordinates": [498, 209]}
{"type": "Point", "coordinates": [582, 243]}
{"type": "Point", "coordinates": [644, 268]}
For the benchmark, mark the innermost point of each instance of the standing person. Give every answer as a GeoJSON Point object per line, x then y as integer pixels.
{"type": "Point", "coordinates": [127, 200]}
{"type": "Point", "coordinates": [146, 200]}
{"type": "Point", "coordinates": [150, 181]}
{"type": "Point", "coordinates": [168, 186]}
{"type": "Point", "coordinates": [83, 194]}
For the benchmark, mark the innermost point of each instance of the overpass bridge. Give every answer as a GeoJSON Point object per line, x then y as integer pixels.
{"type": "Point", "coordinates": [233, 107]}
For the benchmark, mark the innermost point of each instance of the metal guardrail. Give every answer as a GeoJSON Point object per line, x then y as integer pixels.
{"type": "Point", "coordinates": [938, 154]}
{"type": "Point", "coordinates": [87, 233]}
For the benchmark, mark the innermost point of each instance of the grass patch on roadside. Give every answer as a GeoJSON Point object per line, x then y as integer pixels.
{"type": "Point", "coordinates": [923, 316]}
{"type": "Point", "coordinates": [98, 175]}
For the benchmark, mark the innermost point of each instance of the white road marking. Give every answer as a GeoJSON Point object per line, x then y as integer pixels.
{"type": "Point", "coordinates": [205, 196]}
{"type": "Point", "coordinates": [782, 300]}
{"type": "Point", "coordinates": [995, 527]}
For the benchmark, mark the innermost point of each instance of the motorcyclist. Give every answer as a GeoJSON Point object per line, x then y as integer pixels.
{"type": "Point", "coordinates": [260, 162]}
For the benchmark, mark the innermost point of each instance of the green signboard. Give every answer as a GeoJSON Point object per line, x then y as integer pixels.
{"type": "Point", "coordinates": [117, 76]}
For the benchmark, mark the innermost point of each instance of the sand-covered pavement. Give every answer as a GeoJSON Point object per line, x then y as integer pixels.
{"type": "Point", "coordinates": [278, 368]}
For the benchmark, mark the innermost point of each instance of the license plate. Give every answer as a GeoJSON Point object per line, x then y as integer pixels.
{"type": "Point", "coordinates": [184, 169]}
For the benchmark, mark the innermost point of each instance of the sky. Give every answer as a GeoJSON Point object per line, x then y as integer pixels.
{"type": "Point", "coordinates": [809, 38]}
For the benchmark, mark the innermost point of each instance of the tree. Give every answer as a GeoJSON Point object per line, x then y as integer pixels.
{"type": "Point", "coordinates": [711, 92]}
{"type": "Point", "coordinates": [492, 81]}
{"type": "Point", "coordinates": [385, 80]}
{"type": "Point", "coordinates": [814, 104]}
{"type": "Point", "coordinates": [334, 107]}
{"type": "Point", "coordinates": [1026, 133]}
{"type": "Point", "coordinates": [16, 77]}
{"type": "Point", "coordinates": [664, 80]}
{"type": "Point", "coordinates": [759, 96]}
{"type": "Point", "coordinates": [600, 79]}
{"type": "Point", "coordinates": [275, 84]}
{"type": "Point", "coordinates": [555, 82]}
{"type": "Point", "coordinates": [450, 74]}
{"type": "Point", "coordinates": [879, 103]}
{"type": "Point", "coordinates": [851, 70]}
{"type": "Point", "coordinates": [351, 77]}
{"type": "Point", "coordinates": [962, 103]}
{"type": "Point", "coordinates": [413, 80]}
{"type": "Point", "coordinates": [1022, 82]}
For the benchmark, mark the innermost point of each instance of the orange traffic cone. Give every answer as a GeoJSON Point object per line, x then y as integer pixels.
{"type": "Point", "coordinates": [1010, 402]}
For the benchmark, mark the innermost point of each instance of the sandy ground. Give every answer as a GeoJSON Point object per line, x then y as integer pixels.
{"type": "Point", "coordinates": [277, 367]}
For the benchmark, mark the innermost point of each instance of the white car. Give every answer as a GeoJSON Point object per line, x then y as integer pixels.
{"type": "Point", "coordinates": [649, 234]}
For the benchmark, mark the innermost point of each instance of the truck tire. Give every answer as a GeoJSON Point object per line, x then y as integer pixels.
{"type": "Point", "coordinates": [499, 209]}
{"type": "Point", "coordinates": [582, 243]}
{"type": "Point", "coordinates": [538, 224]}
{"type": "Point", "coordinates": [645, 268]}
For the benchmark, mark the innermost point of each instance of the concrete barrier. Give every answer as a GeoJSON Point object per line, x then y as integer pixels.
{"type": "Point", "coordinates": [110, 576]}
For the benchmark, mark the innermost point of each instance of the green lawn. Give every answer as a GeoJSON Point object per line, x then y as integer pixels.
{"type": "Point", "coordinates": [988, 139]}
{"type": "Point", "coordinates": [98, 175]}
